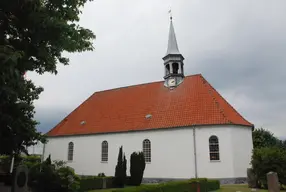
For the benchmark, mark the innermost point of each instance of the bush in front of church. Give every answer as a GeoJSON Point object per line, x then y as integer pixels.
{"type": "Point", "coordinates": [120, 170]}
{"type": "Point", "coordinates": [56, 176]}
{"type": "Point", "coordinates": [192, 185]}
{"type": "Point", "coordinates": [137, 167]}
{"type": "Point", "coordinates": [88, 183]}
{"type": "Point", "coordinates": [269, 159]}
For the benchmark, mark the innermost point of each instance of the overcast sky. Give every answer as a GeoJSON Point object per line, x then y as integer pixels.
{"type": "Point", "coordinates": [238, 46]}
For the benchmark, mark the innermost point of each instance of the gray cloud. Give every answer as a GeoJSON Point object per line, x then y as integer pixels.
{"type": "Point", "coordinates": [238, 46]}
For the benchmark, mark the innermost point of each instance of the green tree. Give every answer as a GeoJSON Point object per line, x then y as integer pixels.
{"type": "Point", "coordinates": [137, 167]}
{"type": "Point", "coordinates": [56, 176]}
{"type": "Point", "coordinates": [267, 159]}
{"type": "Point", "coordinates": [120, 169]}
{"type": "Point", "coordinates": [264, 138]}
{"type": "Point", "coordinates": [33, 36]}
{"type": "Point", "coordinates": [124, 167]}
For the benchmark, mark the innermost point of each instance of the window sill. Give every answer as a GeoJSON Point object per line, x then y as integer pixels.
{"type": "Point", "coordinates": [147, 162]}
{"type": "Point", "coordinates": [215, 161]}
{"type": "Point", "coordinates": [104, 161]}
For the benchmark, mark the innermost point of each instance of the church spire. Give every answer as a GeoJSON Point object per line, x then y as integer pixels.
{"type": "Point", "coordinates": [173, 61]}
{"type": "Point", "coordinates": [172, 42]}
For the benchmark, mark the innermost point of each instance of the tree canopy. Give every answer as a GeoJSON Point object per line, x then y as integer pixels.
{"type": "Point", "coordinates": [33, 36]}
{"type": "Point", "coordinates": [264, 138]}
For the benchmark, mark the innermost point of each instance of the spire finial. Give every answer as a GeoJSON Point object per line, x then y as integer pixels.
{"type": "Point", "coordinates": [172, 42]}
{"type": "Point", "coordinates": [170, 12]}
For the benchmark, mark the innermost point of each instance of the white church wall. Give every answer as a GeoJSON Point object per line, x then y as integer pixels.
{"type": "Point", "coordinates": [242, 150]}
{"type": "Point", "coordinates": [172, 154]}
{"type": "Point", "coordinates": [215, 169]}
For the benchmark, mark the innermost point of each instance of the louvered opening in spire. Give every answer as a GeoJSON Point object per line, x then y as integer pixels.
{"type": "Point", "coordinates": [172, 42]}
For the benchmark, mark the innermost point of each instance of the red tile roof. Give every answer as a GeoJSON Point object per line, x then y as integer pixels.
{"type": "Point", "coordinates": [194, 102]}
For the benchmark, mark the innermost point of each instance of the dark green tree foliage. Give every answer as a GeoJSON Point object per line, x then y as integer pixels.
{"type": "Point", "coordinates": [33, 36]}
{"type": "Point", "coordinates": [50, 177]}
{"type": "Point", "coordinates": [124, 167]}
{"type": "Point", "coordinates": [120, 170]}
{"type": "Point", "coordinates": [268, 159]}
{"type": "Point", "coordinates": [137, 167]}
{"type": "Point", "coordinates": [264, 138]}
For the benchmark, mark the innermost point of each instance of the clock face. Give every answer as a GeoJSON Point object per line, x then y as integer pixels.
{"type": "Point", "coordinates": [172, 82]}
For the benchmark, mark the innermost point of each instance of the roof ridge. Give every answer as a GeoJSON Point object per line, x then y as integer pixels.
{"type": "Point", "coordinates": [227, 103]}
{"type": "Point", "coordinates": [128, 86]}
{"type": "Point", "coordinates": [210, 90]}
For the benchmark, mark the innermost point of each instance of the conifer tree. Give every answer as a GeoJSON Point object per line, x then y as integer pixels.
{"type": "Point", "coordinates": [124, 167]}
{"type": "Point", "coordinates": [120, 170]}
{"type": "Point", "coordinates": [137, 167]}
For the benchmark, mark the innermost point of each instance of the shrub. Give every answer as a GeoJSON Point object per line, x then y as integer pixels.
{"type": "Point", "coordinates": [59, 163]}
{"type": "Point", "coordinates": [213, 185]}
{"type": "Point", "coordinates": [267, 159]}
{"type": "Point", "coordinates": [178, 186]}
{"type": "Point", "coordinates": [47, 177]}
{"type": "Point", "coordinates": [5, 163]}
{"type": "Point", "coordinates": [68, 179]}
{"type": "Point", "coordinates": [101, 175]}
{"type": "Point", "coordinates": [137, 167]}
{"type": "Point", "coordinates": [120, 170]}
{"type": "Point", "coordinates": [88, 183]}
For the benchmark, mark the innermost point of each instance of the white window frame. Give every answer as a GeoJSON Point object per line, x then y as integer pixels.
{"type": "Point", "coordinates": [104, 151]}
{"type": "Point", "coordinates": [147, 150]}
{"type": "Point", "coordinates": [214, 155]}
{"type": "Point", "coordinates": [70, 151]}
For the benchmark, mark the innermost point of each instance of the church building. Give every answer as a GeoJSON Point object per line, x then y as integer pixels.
{"type": "Point", "coordinates": [185, 128]}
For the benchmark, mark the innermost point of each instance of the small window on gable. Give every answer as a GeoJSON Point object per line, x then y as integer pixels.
{"type": "Point", "coordinates": [70, 151]}
{"type": "Point", "coordinates": [104, 151]}
{"type": "Point", "coordinates": [214, 148]}
{"type": "Point", "coordinates": [147, 150]}
{"type": "Point", "coordinates": [175, 68]}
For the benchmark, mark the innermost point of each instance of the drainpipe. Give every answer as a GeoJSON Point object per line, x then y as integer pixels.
{"type": "Point", "coordinates": [195, 152]}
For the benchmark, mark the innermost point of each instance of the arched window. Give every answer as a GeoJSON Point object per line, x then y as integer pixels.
{"type": "Point", "coordinates": [147, 150]}
{"type": "Point", "coordinates": [70, 151]}
{"type": "Point", "coordinates": [214, 148]}
{"type": "Point", "coordinates": [175, 68]}
{"type": "Point", "coordinates": [104, 151]}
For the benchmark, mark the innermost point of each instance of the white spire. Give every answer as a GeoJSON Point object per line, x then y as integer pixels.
{"type": "Point", "coordinates": [172, 42]}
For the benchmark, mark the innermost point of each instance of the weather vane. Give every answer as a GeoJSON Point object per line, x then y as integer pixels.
{"type": "Point", "coordinates": [170, 13]}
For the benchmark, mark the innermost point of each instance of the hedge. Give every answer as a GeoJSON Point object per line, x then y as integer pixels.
{"type": "Point", "coordinates": [88, 183]}
{"type": "Point", "coordinates": [178, 186]}
{"type": "Point", "coordinates": [213, 185]}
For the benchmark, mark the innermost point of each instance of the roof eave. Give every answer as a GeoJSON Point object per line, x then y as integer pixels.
{"type": "Point", "coordinates": [148, 129]}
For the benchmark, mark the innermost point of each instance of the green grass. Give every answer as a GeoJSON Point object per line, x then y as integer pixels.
{"type": "Point", "coordinates": [241, 188]}
{"type": "Point", "coordinates": [105, 190]}
{"type": "Point", "coordinates": [238, 187]}
{"type": "Point", "coordinates": [223, 188]}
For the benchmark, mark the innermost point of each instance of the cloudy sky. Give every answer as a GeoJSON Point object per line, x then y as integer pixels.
{"type": "Point", "coordinates": [238, 46]}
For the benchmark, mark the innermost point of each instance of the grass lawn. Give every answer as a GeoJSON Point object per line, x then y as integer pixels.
{"type": "Point", "coordinates": [223, 188]}
{"type": "Point", "coordinates": [238, 187]}
{"type": "Point", "coordinates": [105, 190]}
